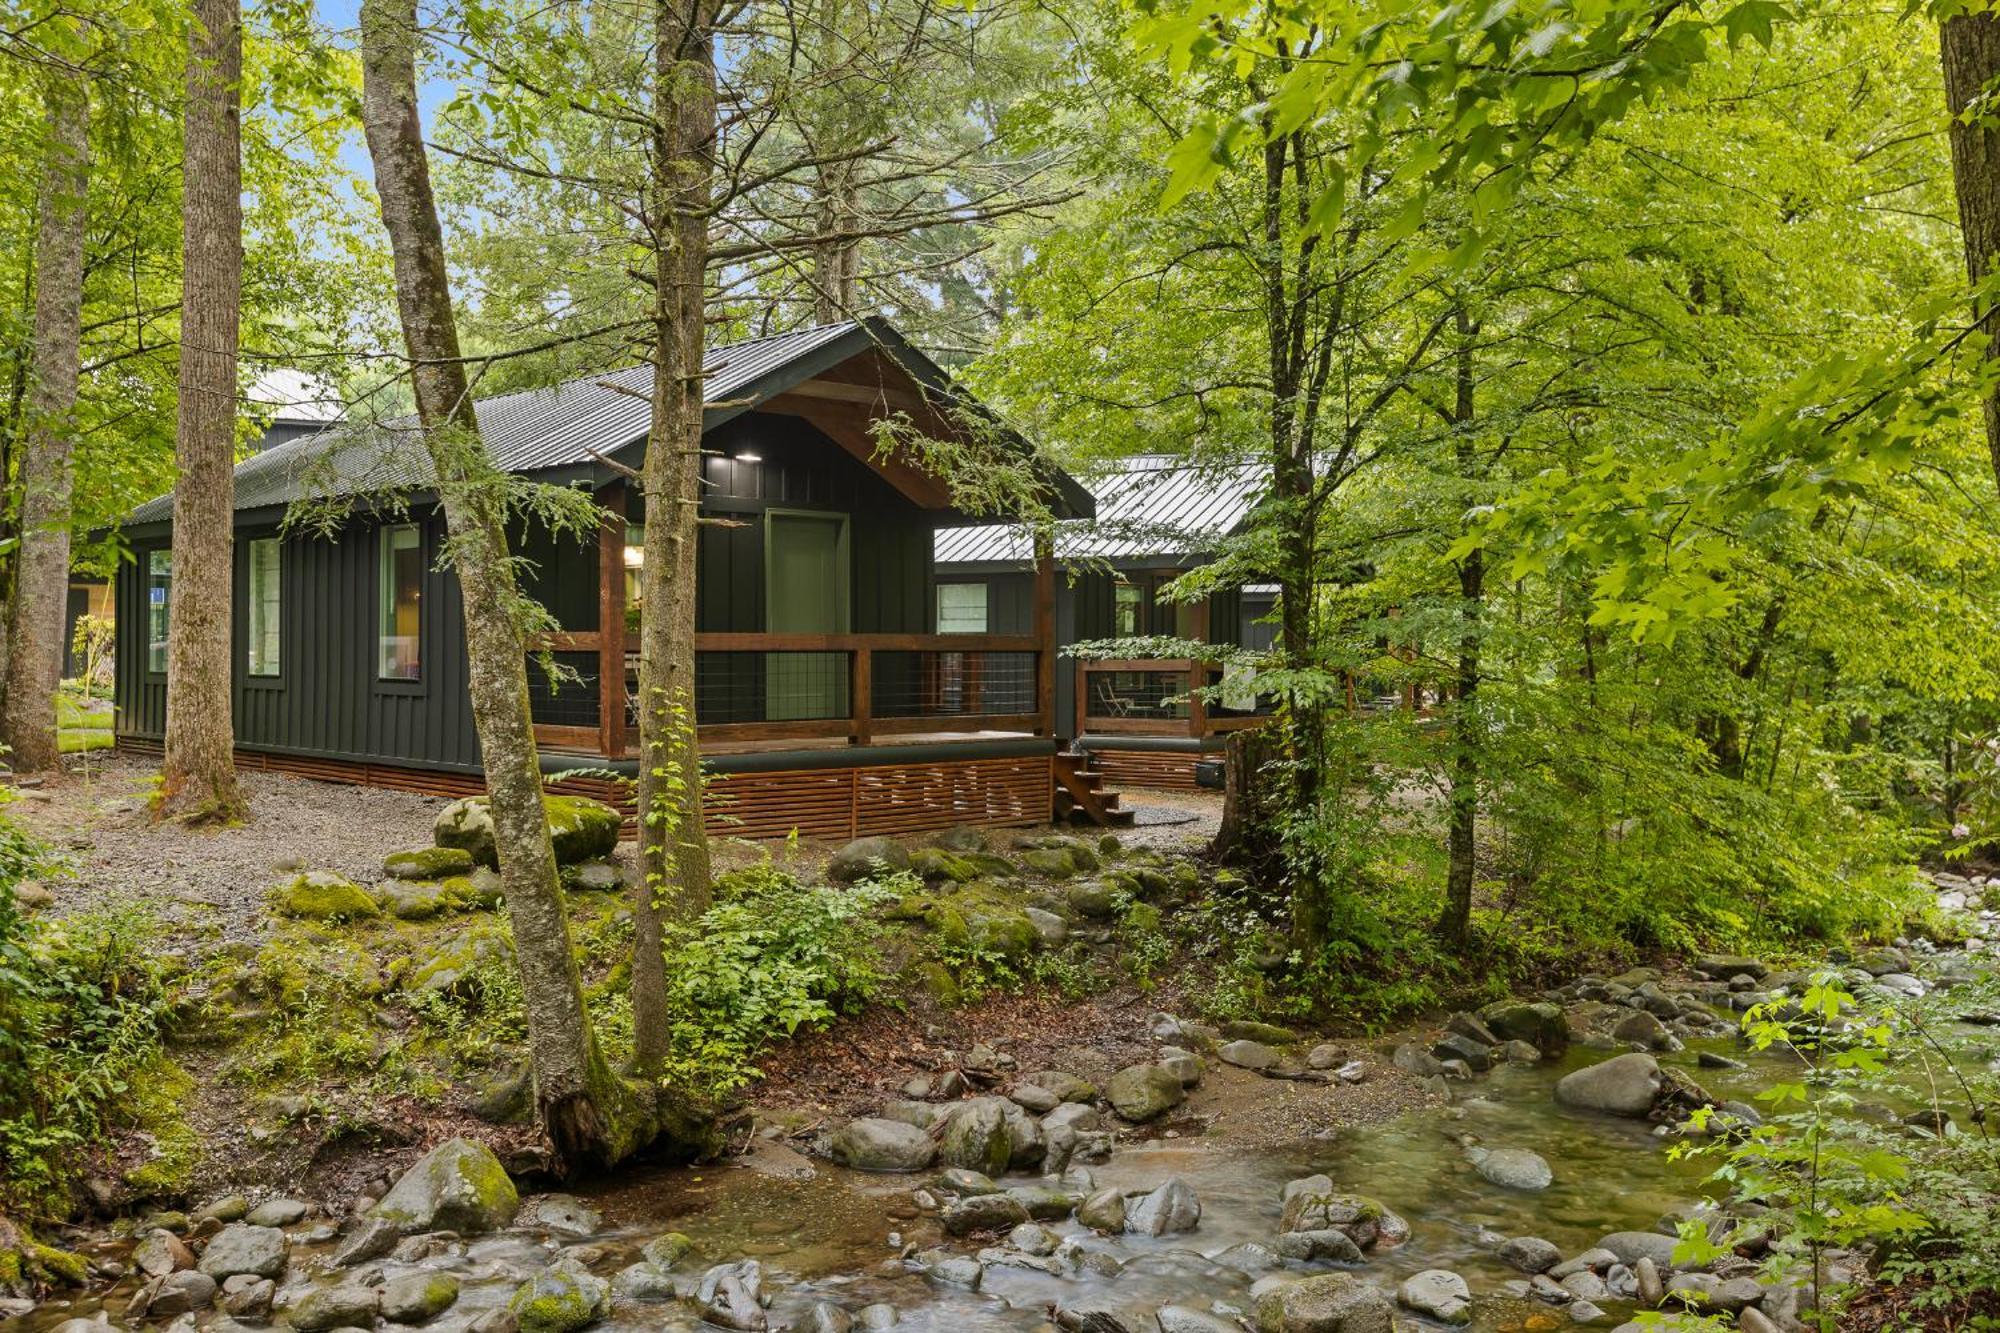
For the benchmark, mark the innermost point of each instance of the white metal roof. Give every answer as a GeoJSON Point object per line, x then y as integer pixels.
{"type": "Point", "coordinates": [1153, 507]}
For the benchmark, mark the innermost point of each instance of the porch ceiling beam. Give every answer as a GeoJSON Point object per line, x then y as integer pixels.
{"type": "Point", "coordinates": [866, 395]}
{"type": "Point", "coordinates": [848, 426]}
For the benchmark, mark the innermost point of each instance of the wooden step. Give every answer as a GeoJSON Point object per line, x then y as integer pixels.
{"type": "Point", "coordinates": [1081, 797]}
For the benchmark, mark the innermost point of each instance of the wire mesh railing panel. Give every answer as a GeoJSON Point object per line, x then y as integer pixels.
{"type": "Point", "coordinates": [947, 683]}
{"type": "Point", "coordinates": [743, 687]}
{"type": "Point", "coordinates": [570, 700]}
{"type": "Point", "coordinates": [1136, 694]}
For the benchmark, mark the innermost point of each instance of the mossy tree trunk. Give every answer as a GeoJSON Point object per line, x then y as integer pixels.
{"type": "Point", "coordinates": [1969, 45]}
{"type": "Point", "coordinates": [589, 1115]}
{"type": "Point", "coordinates": [198, 770]}
{"type": "Point", "coordinates": [673, 843]}
{"type": "Point", "coordinates": [41, 578]}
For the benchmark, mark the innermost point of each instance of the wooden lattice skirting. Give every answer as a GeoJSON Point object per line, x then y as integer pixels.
{"type": "Point", "coordinates": [852, 801]}
{"type": "Point", "coordinates": [1166, 770]}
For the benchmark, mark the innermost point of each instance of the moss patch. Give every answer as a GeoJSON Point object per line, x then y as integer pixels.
{"type": "Point", "coordinates": [428, 863]}
{"type": "Point", "coordinates": [161, 1097]}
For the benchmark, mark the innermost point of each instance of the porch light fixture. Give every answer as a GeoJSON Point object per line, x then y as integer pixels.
{"type": "Point", "coordinates": [635, 557]}
{"type": "Point", "coordinates": [747, 457]}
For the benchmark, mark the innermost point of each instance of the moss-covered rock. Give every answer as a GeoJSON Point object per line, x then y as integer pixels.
{"type": "Point", "coordinates": [581, 829]}
{"type": "Point", "coordinates": [865, 858]}
{"type": "Point", "coordinates": [975, 918]}
{"type": "Point", "coordinates": [416, 900]}
{"type": "Point", "coordinates": [28, 1267]}
{"type": "Point", "coordinates": [428, 863]}
{"type": "Point", "coordinates": [457, 1186]}
{"type": "Point", "coordinates": [322, 895]}
{"type": "Point", "coordinates": [416, 1298]}
{"type": "Point", "coordinates": [479, 889]}
{"type": "Point", "coordinates": [1050, 862]}
{"type": "Point", "coordinates": [559, 1300]}
{"type": "Point", "coordinates": [161, 1096]}
{"type": "Point", "coordinates": [454, 967]}
{"type": "Point", "coordinates": [935, 863]}
{"type": "Point", "coordinates": [990, 864]}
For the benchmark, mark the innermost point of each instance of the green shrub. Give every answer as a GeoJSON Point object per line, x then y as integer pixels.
{"type": "Point", "coordinates": [81, 1004]}
{"type": "Point", "coordinates": [770, 958]}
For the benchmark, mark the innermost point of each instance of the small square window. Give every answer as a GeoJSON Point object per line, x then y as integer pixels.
{"type": "Point", "coordinates": [961, 608]}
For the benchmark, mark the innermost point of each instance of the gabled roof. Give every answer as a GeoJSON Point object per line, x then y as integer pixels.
{"type": "Point", "coordinates": [570, 425]}
{"type": "Point", "coordinates": [1152, 508]}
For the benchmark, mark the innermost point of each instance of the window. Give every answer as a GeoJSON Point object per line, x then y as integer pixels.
{"type": "Point", "coordinates": [402, 603]}
{"type": "Point", "coordinates": [961, 608]}
{"type": "Point", "coordinates": [1127, 602]}
{"type": "Point", "coordinates": [264, 595]}
{"type": "Point", "coordinates": [159, 579]}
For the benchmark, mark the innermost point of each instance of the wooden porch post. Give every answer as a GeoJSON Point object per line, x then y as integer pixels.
{"type": "Point", "coordinates": [1198, 671]}
{"type": "Point", "coordinates": [611, 623]}
{"type": "Point", "coordinates": [1045, 634]}
{"type": "Point", "coordinates": [861, 700]}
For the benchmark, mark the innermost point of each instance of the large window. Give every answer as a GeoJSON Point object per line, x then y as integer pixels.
{"type": "Point", "coordinates": [961, 608]}
{"type": "Point", "coordinates": [159, 585]}
{"type": "Point", "coordinates": [264, 605]}
{"type": "Point", "coordinates": [401, 618]}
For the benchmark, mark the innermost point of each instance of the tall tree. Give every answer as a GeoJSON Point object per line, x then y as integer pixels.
{"type": "Point", "coordinates": [198, 772]}
{"type": "Point", "coordinates": [1969, 44]}
{"type": "Point", "coordinates": [579, 1102]}
{"type": "Point", "coordinates": [673, 843]}
{"type": "Point", "coordinates": [41, 583]}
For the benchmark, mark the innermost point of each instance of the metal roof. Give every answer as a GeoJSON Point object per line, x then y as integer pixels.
{"type": "Point", "coordinates": [295, 396]}
{"type": "Point", "coordinates": [1154, 507]}
{"type": "Point", "coordinates": [566, 425]}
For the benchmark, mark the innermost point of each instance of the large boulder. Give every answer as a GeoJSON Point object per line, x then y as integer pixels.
{"type": "Point", "coordinates": [457, 1186]}
{"type": "Point", "coordinates": [1326, 1303]}
{"type": "Point", "coordinates": [1439, 1293]}
{"type": "Point", "coordinates": [1624, 1085]}
{"type": "Point", "coordinates": [417, 1298]}
{"type": "Point", "coordinates": [1312, 1204]}
{"type": "Point", "coordinates": [336, 1305]}
{"type": "Point", "coordinates": [982, 1212]}
{"type": "Point", "coordinates": [1512, 1168]}
{"type": "Point", "coordinates": [864, 858]}
{"type": "Point", "coordinates": [1139, 1093]}
{"type": "Point", "coordinates": [989, 1134]}
{"type": "Point", "coordinates": [580, 828]}
{"type": "Point", "coordinates": [242, 1248]}
{"type": "Point", "coordinates": [883, 1145]}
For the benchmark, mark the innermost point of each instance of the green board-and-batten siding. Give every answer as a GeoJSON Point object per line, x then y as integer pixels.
{"type": "Point", "coordinates": [328, 702]}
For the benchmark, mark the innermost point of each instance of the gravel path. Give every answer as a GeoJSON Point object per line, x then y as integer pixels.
{"type": "Point", "coordinates": [205, 879]}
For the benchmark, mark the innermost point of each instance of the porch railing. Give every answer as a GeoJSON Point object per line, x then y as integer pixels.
{"type": "Point", "coordinates": [1154, 697]}
{"type": "Point", "coordinates": [856, 687]}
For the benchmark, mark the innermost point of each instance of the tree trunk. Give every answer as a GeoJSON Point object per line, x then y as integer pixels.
{"type": "Point", "coordinates": [41, 578]}
{"type": "Point", "coordinates": [1455, 925]}
{"type": "Point", "coordinates": [837, 258]}
{"type": "Point", "coordinates": [198, 771]}
{"type": "Point", "coordinates": [1970, 47]}
{"type": "Point", "coordinates": [673, 843]}
{"type": "Point", "coordinates": [587, 1114]}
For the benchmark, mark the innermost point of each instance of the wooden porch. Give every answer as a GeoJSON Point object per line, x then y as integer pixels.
{"type": "Point", "coordinates": [762, 692]}
{"type": "Point", "coordinates": [1158, 697]}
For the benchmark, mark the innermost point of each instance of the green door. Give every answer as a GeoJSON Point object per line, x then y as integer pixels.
{"type": "Point", "coordinates": [805, 592]}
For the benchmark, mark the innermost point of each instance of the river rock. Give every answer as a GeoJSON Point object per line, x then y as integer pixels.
{"type": "Point", "coordinates": [954, 1270]}
{"type": "Point", "coordinates": [457, 1186]}
{"type": "Point", "coordinates": [1139, 1093]}
{"type": "Point", "coordinates": [826, 1317]}
{"type": "Point", "coordinates": [1065, 1085]}
{"type": "Point", "coordinates": [242, 1248]}
{"type": "Point", "coordinates": [1033, 1238]}
{"type": "Point", "coordinates": [1072, 1115]}
{"type": "Point", "coordinates": [415, 1298]}
{"type": "Point", "coordinates": [1187, 1319]}
{"type": "Point", "coordinates": [1414, 1059]}
{"type": "Point", "coordinates": [1625, 1085]}
{"type": "Point", "coordinates": [1541, 1024]}
{"type": "Point", "coordinates": [644, 1282]}
{"type": "Point", "coordinates": [1530, 1254]}
{"type": "Point", "coordinates": [1645, 1030]}
{"type": "Point", "coordinates": [276, 1213]}
{"type": "Point", "coordinates": [562, 1214]}
{"type": "Point", "coordinates": [1325, 1303]}
{"type": "Point", "coordinates": [1171, 1207]}
{"type": "Point", "coordinates": [1438, 1293]}
{"type": "Point", "coordinates": [1512, 1168]}
{"type": "Point", "coordinates": [339, 1305]}
{"type": "Point", "coordinates": [1646, 1274]}
{"type": "Point", "coordinates": [1034, 1098]}
{"type": "Point", "coordinates": [1311, 1204]}
{"type": "Point", "coordinates": [561, 1300]}
{"type": "Point", "coordinates": [371, 1238]}
{"type": "Point", "coordinates": [1633, 1247]}
{"type": "Point", "coordinates": [1722, 966]}
{"type": "Point", "coordinates": [975, 1137]}
{"type": "Point", "coordinates": [1312, 1246]}
{"type": "Point", "coordinates": [982, 1212]}
{"type": "Point", "coordinates": [1103, 1211]}
{"type": "Point", "coordinates": [161, 1253]}
{"type": "Point", "coordinates": [873, 1144]}
{"type": "Point", "coordinates": [1185, 1064]}
{"type": "Point", "coordinates": [1247, 1054]}
{"type": "Point", "coordinates": [732, 1296]}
